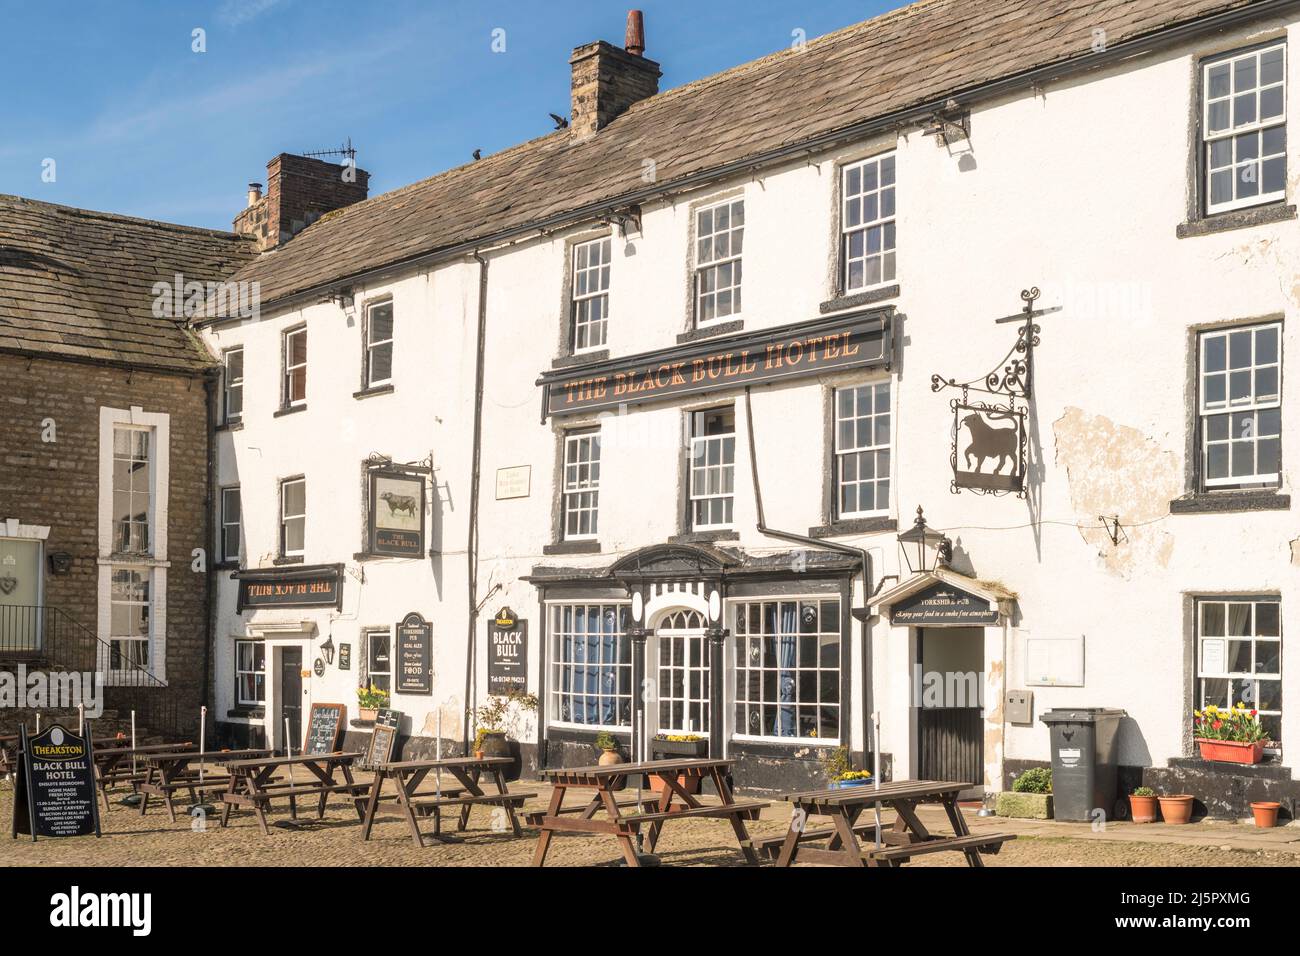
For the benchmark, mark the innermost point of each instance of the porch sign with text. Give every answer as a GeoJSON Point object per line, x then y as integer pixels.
{"type": "Point", "coordinates": [414, 655]}
{"type": "Point", "coordinates": [55, 792]}
{"type": "Point", "coordinates": [507, 654]}
{"type": "Point", "coordinates": [942, 604]}
{"type": "Point", "coordinates": [793, 351]}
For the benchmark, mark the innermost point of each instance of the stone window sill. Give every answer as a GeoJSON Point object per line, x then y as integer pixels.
{"type": "Point", "coordinates": [1229, 502]}
{"type": "Point", "coordinates": [370, 392]}
{"type": "Point", "coordinates": [1237, 219]}
{"type": "Point", "coordinates": [572, 547]}
{"type": "Point", "coordinates": [857, 299]}
{"type": "Point", "coordinates": [289, 410]}
{"type": "Point", "coordinates": [582, 358]}
{"type": "Point", "coordinates": [855, 526]}
{"type": "Point", "coordinates": [711, 331]}
{"type": "Point", "coordinates": [282, 560]}
{"type": "Point", "coordinates": [704, 537]}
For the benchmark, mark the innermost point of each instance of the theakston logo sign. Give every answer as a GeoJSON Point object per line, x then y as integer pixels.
{"type": "Point", "coordinates": [793, 351]}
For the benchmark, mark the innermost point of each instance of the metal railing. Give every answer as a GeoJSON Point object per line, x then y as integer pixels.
{"type": "Point", "coordinates": [48, 637]}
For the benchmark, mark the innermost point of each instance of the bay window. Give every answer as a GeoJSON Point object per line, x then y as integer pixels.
{"type": "Point", "coordinates": [788, 669]}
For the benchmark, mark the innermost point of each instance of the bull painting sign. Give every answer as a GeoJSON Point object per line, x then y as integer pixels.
{"type": "Point", "coordinates": [396, 514]}
{"type": "Point", "coordinates": [988, 448]}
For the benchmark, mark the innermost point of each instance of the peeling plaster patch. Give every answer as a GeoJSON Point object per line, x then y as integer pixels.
{"type": "Point", "coordinates": [1116, 470]}
{"type": "Point", "coordinates": [1295, 551]}
{"type": "Point", "coordinates": [1271, 253]}
{"type": "Point", "coordinates": [802, 752]}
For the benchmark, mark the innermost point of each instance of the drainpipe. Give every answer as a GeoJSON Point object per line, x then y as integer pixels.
{"type": "Point", "coordinates": [471, 547]}
{"type": "Point", "coordinates": [208, 693]}
{"type": "Point", "coordinates": [860, 553]}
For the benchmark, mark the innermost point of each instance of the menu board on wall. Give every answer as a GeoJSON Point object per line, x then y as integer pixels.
{"type": "Point", "coordinates": [414, 655]}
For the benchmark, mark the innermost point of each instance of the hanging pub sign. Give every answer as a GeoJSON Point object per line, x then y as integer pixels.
{"type": "Point", "coordinates": [507, 654]}
{"type": "Point", "coordinates": [943, 604]}
{"type": "Point", "coordinates": [302, 586]}
{"type": "Point", "coordinates": [396, 514]}
{"type": "Point", "coordinates": [987, 452]}
{"type": "Point", "coordinates": [54, 794]}
{"type": "Point", "coordinates": [414, 655]}
{"type": "Point", "coordinates": [858, 340]}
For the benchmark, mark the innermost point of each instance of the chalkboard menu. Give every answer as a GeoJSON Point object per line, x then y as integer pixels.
{"type": "Point", "coordinates": [507, 654]}
{"type": "Point", "coordinates": [55, 796]}
{"type": "Point", "coordinates": [414, 655]}
{"type": "Point", "coordinates": [324, 726]}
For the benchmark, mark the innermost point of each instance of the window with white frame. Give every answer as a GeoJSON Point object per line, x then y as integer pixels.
{"type": "Point", "coordinates": [862, 450]}
{"type": "Point", "coordinates": [379, 660]}
{"type": "Point", "coordinates": [379, 344]}
{"type": "Point", "coordinates": [590, 294]}
{"type": "Point", "coordinates": [1241, 406]}
{"type": "Point", "coordinates": [132, 490]}
{"type": "Point", "coordinates": [581, 485]}
{"type": "Point", "coordinates": [713, 468]}
{"type": "Point", "coordinates": [232, 384]}
{"type": "Point", "coordinates": [1239, 657]}
{"type": "Point", "coordinates": [250, 673]}
{"type": "Point", "coordinates": [130, 618]}
{"type": "Point", "coordinates": [293, 517]}
{"type": "Point", "coordinates": [683, 679]}
{"type": "Point", "coordinates": [788, 669]}
{"type": "Point", "coordinates": [591, 665]}
{"type": "Point", "coordinates": [230, 521]}
{"type": "Point", "coordinates": [1244, 128]}
{"type": "Point", "coordinates": [719, 241]}
{"type": "Point", "coordinates": [295, 367]}
{"type": "Point", "coordinates": [868, 225]}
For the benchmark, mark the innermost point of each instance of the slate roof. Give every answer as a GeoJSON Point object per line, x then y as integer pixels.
{"type": "Point", "coordinates": [80, 283]}
{"type": "Point", "coordinates": [919, 54]}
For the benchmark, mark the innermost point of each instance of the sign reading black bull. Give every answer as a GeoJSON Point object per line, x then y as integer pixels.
{"type": "Point", "coordinates": [396, 514]}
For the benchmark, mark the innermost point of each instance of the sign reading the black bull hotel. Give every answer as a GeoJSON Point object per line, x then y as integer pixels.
{"type": "Point", "coordinates": [941, 604]}
{"type": "Point", "coordinates": [791, 351]}
{"type": "Point", "coordinates": [55, 795]}
{"type": "Point", "coordinates": [414, 655]}
{"type": "Point", "coordinates": [507, 654]}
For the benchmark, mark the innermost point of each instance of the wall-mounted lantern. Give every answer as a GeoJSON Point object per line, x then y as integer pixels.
{"type": "Point", "coordinates": [923, 548]}
{"type": "Point", "coordinates": [327, 650]}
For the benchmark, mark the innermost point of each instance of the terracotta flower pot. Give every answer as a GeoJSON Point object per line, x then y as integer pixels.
{"type": "Point", "coordinates": [1143, 808]}
{"type": "Point", "coordinates": [1176, 809]}
{"type": "Point", "coordinates": [1229, 751]}
{"type": "Point", "coordinates": [368, 713]}
{"type": "Point", "coordinates": [608, 757]}
{"type": "Point", "coordinates": [1265, 812]}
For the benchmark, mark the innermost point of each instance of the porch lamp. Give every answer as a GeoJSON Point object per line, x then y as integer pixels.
{"type": "Point", "coordinates": [327, 649]}
{"type": "Point", "coordinates": [923, 548]}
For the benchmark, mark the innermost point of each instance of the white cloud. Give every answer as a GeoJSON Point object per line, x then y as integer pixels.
{"type": "Point", "coordinates": [235, 13]}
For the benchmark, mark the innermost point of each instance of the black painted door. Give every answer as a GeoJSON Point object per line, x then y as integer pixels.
{"type": "Point", "coordinates": [950, 716]}
{"type": "Point", "coordinates": [291, 693]}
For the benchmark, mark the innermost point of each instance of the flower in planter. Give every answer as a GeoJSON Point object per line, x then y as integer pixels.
{"type": "Point", "coordinates": [372, 698]}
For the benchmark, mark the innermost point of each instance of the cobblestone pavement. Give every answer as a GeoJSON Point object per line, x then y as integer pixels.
{"type": "Point", "coordinates": [151, 840]}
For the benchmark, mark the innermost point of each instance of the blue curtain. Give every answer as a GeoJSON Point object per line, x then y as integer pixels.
{"type": "Point", "coordinates": [787, 639]}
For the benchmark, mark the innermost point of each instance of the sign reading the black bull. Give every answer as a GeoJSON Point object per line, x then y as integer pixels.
{"type": "Point", "coordinates": [55, 795]}
{"type": "Point", "coordinates": [507, 654]}
{"type": "Point", "coordinates": [414, 655]}
{"type": "Point", "coordinates": [317, 586]}
{"type": "Point", "coordinates": [396, 514]}
{"type": "Point", "coordinates": [793, 351]}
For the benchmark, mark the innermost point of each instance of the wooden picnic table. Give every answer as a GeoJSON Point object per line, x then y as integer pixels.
{"type": "Point", "coordinates": [114, 765]}
{"type": "Point", "coordinates": [168, 770]}
{"type": "Point", "coordinates": [905, 838]}
{"type": "Point", "coordinates": [670, 798]}
{"type": "Point", "coordinates": [253, 783]}
{"type": "Point", "coordinates": [466, 794]}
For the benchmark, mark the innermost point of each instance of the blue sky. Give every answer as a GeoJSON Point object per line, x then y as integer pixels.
{"type": "Point", "coordinates": [139, 123]}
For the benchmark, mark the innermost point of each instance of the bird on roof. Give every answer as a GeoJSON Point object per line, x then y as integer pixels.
{"type": "Point", "coordinates": [560, 121]}
{"type": "Point", "coordinates": [478, 154]}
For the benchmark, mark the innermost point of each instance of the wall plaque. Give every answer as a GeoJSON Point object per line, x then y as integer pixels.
{"type": "Point", "coordinates": [507, 654]}
{"type": "Point", "coordinates": [943, 604]}
{"type": "Point", "coordinates": [514, 482]}
{"type": "Point", "coordinates": [414, 655]}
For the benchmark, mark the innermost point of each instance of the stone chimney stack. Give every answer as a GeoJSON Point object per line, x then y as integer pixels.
{"type": "Point", "coordinates": [299, 191]}
{"type": "Point", "coordinates": [607, 80]}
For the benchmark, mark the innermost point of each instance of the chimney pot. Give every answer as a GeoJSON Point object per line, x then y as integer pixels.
{"type": "Point", "coordinates": [254, 193]}
{"type": "Point", "coordinates": [634, 42]}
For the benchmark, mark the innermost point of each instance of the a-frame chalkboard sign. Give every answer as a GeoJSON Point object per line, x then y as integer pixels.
{"type": "Point", "coordinates": [324, 728]}
{"type": "Point", "coordinates": [383, 740]}
{"type": "Point", "coordinates": [55, 792]}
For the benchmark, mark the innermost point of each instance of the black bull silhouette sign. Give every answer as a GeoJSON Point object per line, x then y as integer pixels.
{"type": "Point", "coordinates": [988, 453]}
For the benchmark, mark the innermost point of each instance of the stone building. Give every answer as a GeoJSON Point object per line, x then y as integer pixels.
{"type": "Point", "coordinates": [104, 492]}
{"type": "Point", "coordinates": [634, 415]}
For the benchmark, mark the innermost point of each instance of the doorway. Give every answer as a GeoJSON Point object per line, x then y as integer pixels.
{"type": "Point", "coordinates": [20, 595]}
{"type": "Point", "coordinates": [949, 688]}
{"type": "Point", "coordinates": [680, 664]}
{"type": "Point", "coordinates": [291, 694]}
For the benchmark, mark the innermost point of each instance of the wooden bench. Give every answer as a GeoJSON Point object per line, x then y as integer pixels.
{"type": "Point", "coordinates": [990, 843]}
{"type": "Point", "coordinates": [513, 799]}
{"type": "Point", "coordinates": [744, 809]}
{"type": "Point", "coordinates": [771, 845]}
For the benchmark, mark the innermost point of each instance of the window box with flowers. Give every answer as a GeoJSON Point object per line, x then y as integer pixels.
{"type": "Point", "coordinates": [370, 701]}
{"type": "Point", "coordinates": [1230, 735]}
